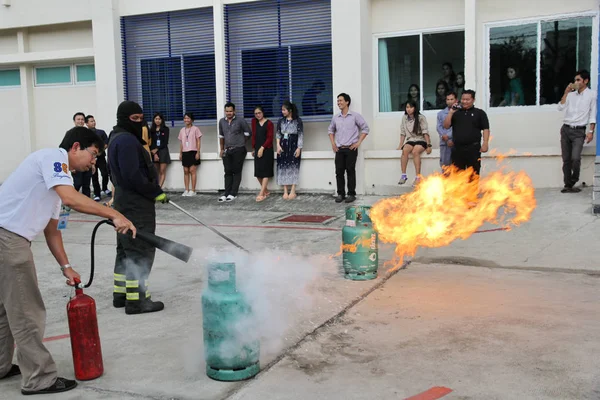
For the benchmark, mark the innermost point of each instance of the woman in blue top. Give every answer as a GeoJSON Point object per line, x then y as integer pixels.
{"type": "Point", "coordinates": [290, 135]}
{"type": "Point", "coordinates": [514, 93]}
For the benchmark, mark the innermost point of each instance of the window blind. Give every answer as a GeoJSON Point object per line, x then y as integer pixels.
{"type": "Point", "coordinates": [279, 50]}
{"type": "Point", "coordinates": [169, 63]}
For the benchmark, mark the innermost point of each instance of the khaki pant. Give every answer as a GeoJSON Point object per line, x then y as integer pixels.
{"type": "Point", "coordinates": [22, 314]}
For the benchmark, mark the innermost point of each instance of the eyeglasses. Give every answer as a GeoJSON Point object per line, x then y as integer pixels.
{"type": "Point", "coordinates": [94, 154]}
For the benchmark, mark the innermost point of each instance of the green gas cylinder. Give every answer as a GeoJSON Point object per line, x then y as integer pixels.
{"type": "Point", "coordinates": [230, 354]}
{"type": "Point", "coordinates": [359, 245]}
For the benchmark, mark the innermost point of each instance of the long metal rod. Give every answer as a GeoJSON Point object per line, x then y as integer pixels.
{"type": "Point", "coordinates": [206, 226]}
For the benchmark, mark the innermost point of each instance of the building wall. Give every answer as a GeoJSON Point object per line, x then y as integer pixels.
{"type": "Point", "coordinates": [35, 33]}
{"type": "Point", "coordinates": [53, 118]}
{"type": "Point", "coordinates": [531, 132]}
{"type": "Point", "coordinates": [14, 144]}
{"type": "Point", "coordinates": [76, 35]}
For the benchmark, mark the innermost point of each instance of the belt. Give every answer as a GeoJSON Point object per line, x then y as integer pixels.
{"type": "Point", "coordinates": [576, 126]}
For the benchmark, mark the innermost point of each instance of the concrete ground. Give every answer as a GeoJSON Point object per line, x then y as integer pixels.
{"type": "Point", "coordinates": [501, 315]}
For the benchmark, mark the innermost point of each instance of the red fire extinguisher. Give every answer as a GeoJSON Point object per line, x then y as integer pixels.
{"type": "Point", "coordinates": [83, 329]}
{"type": "Point", "coordinates": [85, 340]}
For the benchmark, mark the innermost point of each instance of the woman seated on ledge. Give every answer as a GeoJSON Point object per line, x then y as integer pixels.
{"type": "Point", "coordinates": [414, 139]}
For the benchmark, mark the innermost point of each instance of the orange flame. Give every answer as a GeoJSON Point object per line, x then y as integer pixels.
{"type": "Point", "coordinates": [445, 207]}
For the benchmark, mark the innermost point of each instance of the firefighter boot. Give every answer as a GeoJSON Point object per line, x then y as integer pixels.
{"type": "Point", "coordinates": [143, 306]}
{"type": "Point", "coordinates": [139, 300]}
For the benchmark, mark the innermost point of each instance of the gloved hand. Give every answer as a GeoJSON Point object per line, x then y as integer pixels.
{"type": "Point", "coordinates": [162, 198]}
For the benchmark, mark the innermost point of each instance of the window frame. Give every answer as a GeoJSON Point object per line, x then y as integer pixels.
{"type": "Point", "coordinates": [375, 57]}
{"type": "Point", "coordinates": [485, 65]}
{"type": "Point", "coordinates": [72, 71]}
{"type": "Point", "coordinates": [9, 87]}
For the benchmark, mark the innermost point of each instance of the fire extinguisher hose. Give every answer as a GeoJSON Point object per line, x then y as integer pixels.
{"type": "Point", "coordinates": [92, 253]}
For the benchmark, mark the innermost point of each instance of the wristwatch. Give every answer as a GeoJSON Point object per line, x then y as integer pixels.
{"type": "Point", "coordinates": [63, 267]}
{"type": "Point", "coordinates": [429, 145]}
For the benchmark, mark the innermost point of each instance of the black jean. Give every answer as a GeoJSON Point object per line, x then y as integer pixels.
{"type": "Point", "coordinates": [571, 145]}
{"type": "Point", "coordinates": [345, 162]}
{"type": "Point", "coordinates": [233, 163]}
{"type": "Point", "coordinates": [100, 167]}
{"type": "Point", "coordinates": [467, 155]}
{"type": "Point", "coordinates": [81, 180]}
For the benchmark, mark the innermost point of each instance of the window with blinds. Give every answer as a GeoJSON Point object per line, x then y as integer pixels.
{"type": "Point", "coordinates": [169, 63]}
{"type": "Point", "coordinates": [279, 50]}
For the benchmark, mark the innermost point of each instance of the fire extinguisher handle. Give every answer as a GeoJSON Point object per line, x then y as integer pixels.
{"type": "Point", "coordinates": [78, 284]}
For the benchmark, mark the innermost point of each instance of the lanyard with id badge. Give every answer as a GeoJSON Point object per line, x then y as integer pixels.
{"type": "Point", "coordinates": [158, 139]}
{"type": "Point", "coordinates": [63, 217]}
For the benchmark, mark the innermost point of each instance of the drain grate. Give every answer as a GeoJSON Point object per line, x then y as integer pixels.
{"type": "Point", "coordinates": [307, 219]}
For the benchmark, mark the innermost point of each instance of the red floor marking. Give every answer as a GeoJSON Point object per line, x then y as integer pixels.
{"type": "Point", "coordinates": [305, 228]}
{"type": "Point", "coordinates": [431, 394]}
{"type": "Point", "coordinates": [53, 338]}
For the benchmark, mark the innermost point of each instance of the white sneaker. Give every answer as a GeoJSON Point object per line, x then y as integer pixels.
{"type": "Point", "coordinates": [222, 199]}
{"type": "Point", "coordinates": [230, 198]}
{"type": "Point", "coordinates": [185, 193]}
{"type": "Point", "coordinates": [191, 193]}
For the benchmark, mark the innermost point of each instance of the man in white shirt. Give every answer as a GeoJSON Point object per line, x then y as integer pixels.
{"type": "Point", "coordinates": [30, 202]}
{"type": "Point", "coordinates": [579, 101]}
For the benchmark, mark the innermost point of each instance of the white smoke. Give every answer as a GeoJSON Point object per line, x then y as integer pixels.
{"type": "Point", "coordinates": [276, 286]}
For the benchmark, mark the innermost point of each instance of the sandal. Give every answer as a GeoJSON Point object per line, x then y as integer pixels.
{"type": "Point", "coordinates": [260, 198]}
{"type": "Point", "coordinates": [292, 196]}
{"type": "Point", "coordinates": [285, 196]}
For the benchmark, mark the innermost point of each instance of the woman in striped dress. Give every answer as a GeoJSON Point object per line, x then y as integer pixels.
{"type": "Point", "coordinates": [290, 135]}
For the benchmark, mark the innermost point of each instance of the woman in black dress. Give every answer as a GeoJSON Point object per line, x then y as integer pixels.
{"type": "Point", "coordinates": [159, 146]}
{"type": "Point", "coordinates": [262, 145]}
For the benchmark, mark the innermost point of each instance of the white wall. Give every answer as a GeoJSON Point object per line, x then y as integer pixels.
{"type": "Point", "coordinates": [8, 42]}
{"type": "Point", "coordinates": [22, 13]}
{"type": "Point", "coordinates": [13, 149]}
{"type": "Point", "coordinates": [407, 15]}
{"type": "Point", "coordinates": [54, 109]}
{"type": "Point", "coordinates": [61, 37]}
{"type": "Point", "coordinates": [136, 7]}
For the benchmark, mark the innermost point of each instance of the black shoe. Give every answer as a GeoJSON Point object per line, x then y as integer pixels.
{"type": "Point", "coordinates": [350, 199]}
{"type": "Point", "coordinates": [143, 306]}
{"type": "Point", "coordinates": [567, 189]}
{"type": "Point", "coordinates": [119, 300]}
{"type": "Point", "coordinates": [14, 370]}
{"type": "Point", "coordinates": [60, 385]}
{"type": "Point", "coordinates": [340, 198]}
{"type": "Point", "coordinates": [575, 190]}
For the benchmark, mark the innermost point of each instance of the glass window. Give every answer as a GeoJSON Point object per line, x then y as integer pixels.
{"type": "Point", "coordinates": [514, 76]}
{"type": "Point", "coordinates": [399, 59]}
{"type": "Point", "coordinates": [513, 61]}
{"type": "Point", "coordinates": [443, 64]}
{"type": "Point", "coordinates": [161, 87]}
{"type": "Point", "coordinates": [10, 77]}
{"type": "Point", "coordinates": [52, 75]}
{"type": "Point", "coordinates": [401, 73]}
{"type": "Point", "coordinates": [566, 49]}
{"type": "Point", "coordinates": [86, 73]}
{"type": "Point", "coordinates": [292, 62]}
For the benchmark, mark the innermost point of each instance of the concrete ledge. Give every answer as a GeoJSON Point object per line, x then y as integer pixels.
{"type": "Point", "coordinates": [38, 56]}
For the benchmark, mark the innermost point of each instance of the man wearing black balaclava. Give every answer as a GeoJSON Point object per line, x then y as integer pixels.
{"type": "Point", "coordinates": [136, 191]}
